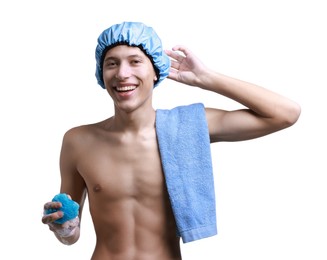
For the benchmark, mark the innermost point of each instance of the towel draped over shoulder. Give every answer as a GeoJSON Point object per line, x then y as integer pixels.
{"type": "Point", "coordinates": [184, 146]}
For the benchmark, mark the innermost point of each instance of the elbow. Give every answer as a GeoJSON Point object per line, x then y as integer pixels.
{"type": "Point", "coordinates": [291, 115]}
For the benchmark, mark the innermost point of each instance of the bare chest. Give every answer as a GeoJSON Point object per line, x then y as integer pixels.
{"type": "Point", "coordinates": [123, 169]}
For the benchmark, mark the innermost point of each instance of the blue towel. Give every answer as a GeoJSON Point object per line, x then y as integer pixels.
{"type": "Point", "coordinates": [184, 146]}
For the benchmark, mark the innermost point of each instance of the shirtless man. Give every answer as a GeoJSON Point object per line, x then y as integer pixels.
{"type": "Point", "coordinates": [116, 162]}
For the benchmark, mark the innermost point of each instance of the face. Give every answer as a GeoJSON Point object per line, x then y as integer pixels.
{"type": "Point", "coordinates": [129, 77]}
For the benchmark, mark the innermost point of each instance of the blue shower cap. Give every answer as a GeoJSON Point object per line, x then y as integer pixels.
{"type": "Point", "coordinates": [133, 34]}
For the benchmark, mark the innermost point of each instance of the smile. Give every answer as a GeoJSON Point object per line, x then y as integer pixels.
{"type": "Point", "coordinates": [125, 88]}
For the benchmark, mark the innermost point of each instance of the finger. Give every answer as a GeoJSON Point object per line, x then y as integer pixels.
{"type": "Point", "coordinates": [175, 65]}
{"type": "Point", "coordinates": [182, 49]}
{"type": "Point", "coordinates": [175, 55]}
{"type": "Point", "coordinates": [49, 218]}
{"type": "Point", "coordinates": [172, 54]}
{"type": "Point", "coordinates": [173, 75]}
{"type": "Point", "coordinates": [52, 205]}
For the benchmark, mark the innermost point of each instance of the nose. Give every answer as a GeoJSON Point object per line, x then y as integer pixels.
{"type": "Point", "coordinates": [123, 71]}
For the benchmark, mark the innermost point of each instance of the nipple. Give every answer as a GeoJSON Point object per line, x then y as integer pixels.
{"type": "Point", "coordinates": [97, 188]}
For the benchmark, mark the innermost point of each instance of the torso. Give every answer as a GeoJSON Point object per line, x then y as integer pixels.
{"type": "Point", "coordinates": [127, 195]}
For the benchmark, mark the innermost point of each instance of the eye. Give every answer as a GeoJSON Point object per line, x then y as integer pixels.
{"type": "Point", "coordinates": [110, 64]}
{"type": "Point", "coordinates": [136, 61]}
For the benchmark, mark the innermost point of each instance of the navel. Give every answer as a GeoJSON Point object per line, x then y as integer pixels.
{"type": "Point", "coordinates": [97, 188]}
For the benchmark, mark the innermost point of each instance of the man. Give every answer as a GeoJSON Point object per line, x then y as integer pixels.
{"type": "Point", "coordinates": [118, 163]}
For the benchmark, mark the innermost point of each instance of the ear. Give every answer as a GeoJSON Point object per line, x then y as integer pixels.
{"type": "Point", "coordinates": [155, 78]}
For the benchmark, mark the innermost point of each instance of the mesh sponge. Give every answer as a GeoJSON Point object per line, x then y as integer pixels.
{"type": "Point", "coordinates": [69, 207]}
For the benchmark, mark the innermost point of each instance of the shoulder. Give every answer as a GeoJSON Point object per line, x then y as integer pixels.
{"type": "Point", "coordinates": [77, 133]}
{"type": "Point", "coordinates": [83, 133]}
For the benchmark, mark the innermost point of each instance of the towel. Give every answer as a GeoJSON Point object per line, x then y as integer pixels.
{"type": "Point", "coordinates": [184, 147]}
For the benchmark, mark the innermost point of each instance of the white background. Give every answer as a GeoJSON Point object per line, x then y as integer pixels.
{"type": "Point", "coordinates": [271, 192]}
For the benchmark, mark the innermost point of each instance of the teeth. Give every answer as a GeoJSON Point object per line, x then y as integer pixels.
{"type": "Point", "coordinates": [126, 88]}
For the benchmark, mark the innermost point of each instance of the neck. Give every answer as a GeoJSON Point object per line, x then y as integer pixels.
{"type": "Point", "coordinates": [134, 121]}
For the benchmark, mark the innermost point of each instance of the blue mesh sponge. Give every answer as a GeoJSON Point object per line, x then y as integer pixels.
{"type": "Point", "coordinates": [69, 207]}
{"type": "Point", "coordinates": [133, 34]}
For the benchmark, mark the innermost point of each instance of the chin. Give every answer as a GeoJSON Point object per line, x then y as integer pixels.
{"type": "Point", "coordinates": [126, 108]}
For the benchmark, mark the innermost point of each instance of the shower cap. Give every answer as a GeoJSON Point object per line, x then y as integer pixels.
{"type": "Point", "coordinates": [133, 34]}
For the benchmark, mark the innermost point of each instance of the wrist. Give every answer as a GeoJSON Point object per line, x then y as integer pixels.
{"type": "Point", "coordinates": [67, 229]}
{"type": "Point", "coordinates": [65, 232]}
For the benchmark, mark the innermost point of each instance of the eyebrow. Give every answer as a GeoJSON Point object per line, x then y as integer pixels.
{"type": "Point", "coordinates": [130, 56]}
